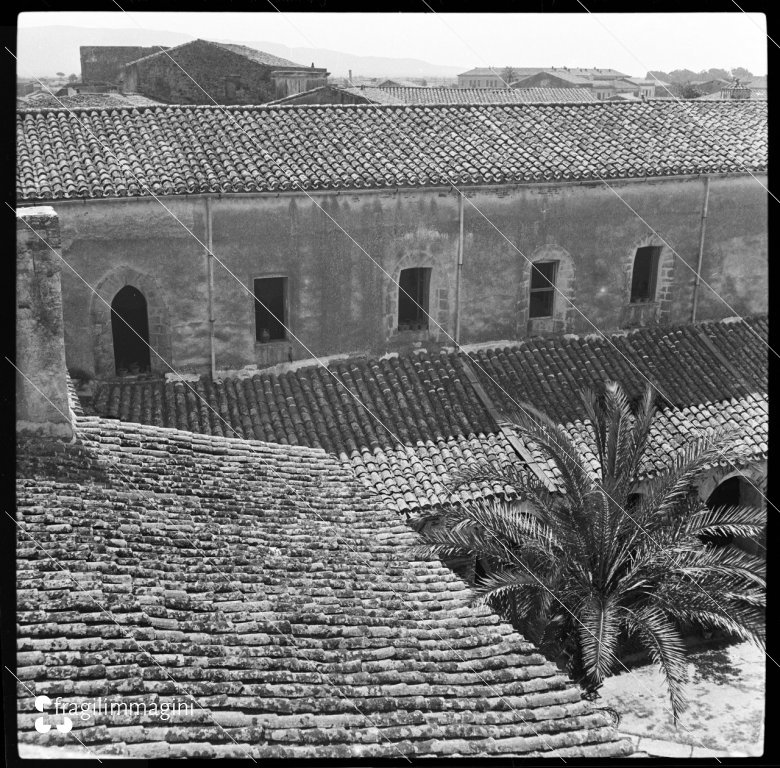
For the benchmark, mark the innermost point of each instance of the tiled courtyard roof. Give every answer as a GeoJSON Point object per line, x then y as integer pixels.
{"type": "Point", "coordinates": [421, 95]}
{"type": "Point", "coordinates": [263, 585]}
{"type": "Point", "coordinates": [107, 153]}
{"type": "Point", "coordinates": [424, 421]}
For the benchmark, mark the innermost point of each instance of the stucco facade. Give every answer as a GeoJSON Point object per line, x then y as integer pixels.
{"type": "Point", "coordinates": [342, 264]}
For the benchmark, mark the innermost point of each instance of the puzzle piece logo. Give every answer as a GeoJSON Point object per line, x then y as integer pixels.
{"type": "Point", "coordinates": [41, 703]}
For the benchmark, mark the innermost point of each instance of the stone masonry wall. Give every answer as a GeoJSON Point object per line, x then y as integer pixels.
{"type": "Point", "coordinates": [104, 63]}
{"type": "Point", "coordinates": [209, 68]}
{"type": "Point", "coordinates": [41, 382]}
{"type": "Point", "coordinates": [340, 300]}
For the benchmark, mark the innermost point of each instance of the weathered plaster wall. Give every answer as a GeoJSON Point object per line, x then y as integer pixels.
{"type": "Point", "coordinates": [41, 381]}
{"type": "Point", "coordinates": [736, 254]}
{"type": "Point", "coordinates": [208, 68]}
{"type": "Point", "coordinates": [114, 244]}
{"type": "Point", "coordinates": [341, 295]}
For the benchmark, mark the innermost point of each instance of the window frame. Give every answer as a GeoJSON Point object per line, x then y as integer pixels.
{"type": "Point", "coordinates": [652, 289]}
{"type": "Point", "coordinates": [285, 320]}
{"type": "Point", "coordinates": [424, 305]}
{"type": "Point", "coordinates": [551, 289]}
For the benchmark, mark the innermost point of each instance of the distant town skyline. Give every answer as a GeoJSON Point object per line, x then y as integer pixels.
{"type": "Point", "coordinates": [632, 43]}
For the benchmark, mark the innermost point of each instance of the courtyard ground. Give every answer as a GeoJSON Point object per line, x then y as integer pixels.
{"type": "Point", "coordinates": [726, 691]}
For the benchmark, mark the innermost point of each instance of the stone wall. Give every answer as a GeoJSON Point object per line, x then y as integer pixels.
{"type": "Point", "coordinates": [104, 63]}
{"type": "Point", "coordinates": [41, 378]}
{"type": "Point", "coordinates": [341, 294]}
{"type": "Point", "coordinates": [204, 72]}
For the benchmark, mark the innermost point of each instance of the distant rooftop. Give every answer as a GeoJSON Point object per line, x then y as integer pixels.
{"type": "Point", "coordinates": [261, 57]}
{"type": "Point", "coordinates": [519, 72]}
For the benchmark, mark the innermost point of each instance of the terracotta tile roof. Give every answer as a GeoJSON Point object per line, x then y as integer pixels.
{"type": "Point", "coordinates": [266, 583]}
{"type": "Point", "coordinates": [435, 422]}
{"type": "Point", "coordinates": [80, 101]}
{"type": "Point", "coordinates": [487, 71]}
{"type": "Point", "coordinates": [261, 57]}
{"type": "Point", "coordinates": [190, 149]}
{"type": "Point", "coordinates": [422, 95]}
{"type": "Point", "coordinates": [567, 75]}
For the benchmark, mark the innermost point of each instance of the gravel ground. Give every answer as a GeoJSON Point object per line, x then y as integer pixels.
{"type": "Point", "coordinates": [726, 691]}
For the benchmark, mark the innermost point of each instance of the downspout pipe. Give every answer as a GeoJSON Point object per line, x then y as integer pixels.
{"type": "Point", "coordinates": [458, 270]}
{"type": "Point", "coordinates": [697, 279]}
{"type": "Point", "coordinates": [210, 281]}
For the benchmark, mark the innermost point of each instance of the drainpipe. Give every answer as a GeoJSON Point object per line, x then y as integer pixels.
{"type": "Point", "coordinates": [210, 280]}
{"type": "Point", "coordinates": [458, 270]}
{"type": "Point", "coordinates": [697, 279]}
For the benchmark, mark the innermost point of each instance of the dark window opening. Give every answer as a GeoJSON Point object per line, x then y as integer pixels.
{"type": "Point", "coordinates": [644, 275]}
{"type": "Point", "coordinates": [270, 294]}
{"type": "Point", "coordinates": [413, 299]}
{"type": "Point", "coordinates": [542, 297]}
{"type": "Point", "coordinates": [130, 331]}
{"type": "Point", "coordinates": [727, 494]}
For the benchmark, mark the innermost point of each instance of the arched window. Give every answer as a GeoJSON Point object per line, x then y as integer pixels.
{"type": "Point", "coordinates": [413, 303]}
{"type": "Point", "coordinates": [130, 330]}
{"type": "Point", "coordinates": [645, 274]}
{"type": "Point", "coordinates": [542, 292]}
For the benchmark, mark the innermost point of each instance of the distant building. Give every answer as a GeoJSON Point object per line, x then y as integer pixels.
{"type": "Point", "coordinates": [738, 90]}
{"type": "Point", "coordinates": [23, 87]}
{"type": "Point", "coordinates": [421, 95]}
{"type": "Point", "coordinates": [202, 72]}
{"type": "Point", "coordinates": [605, 84]}
{"type": "Point", "coordinates": [496, 77]}
{"type": "Point", "coordinates": [492, 77]}
{"type": "Point", "coordinates": [706, 87]}
{"type": "Point", "coordinates": [397, 84]}
{"type": "Point", "coordinates": [104, 63]}
{"type": "Point", "coordinates": [72, 89]}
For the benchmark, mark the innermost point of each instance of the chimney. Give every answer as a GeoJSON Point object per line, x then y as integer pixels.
{"type": "Point", "coordinates": [42, 405]}
{"type": "Point", "coordinates": [736, 91]}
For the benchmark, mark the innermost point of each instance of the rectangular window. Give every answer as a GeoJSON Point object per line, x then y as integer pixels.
{"type": "Point", "coordinates": [232, 86]}
{"type": "Point", "coordinates": [643, 277]}
{"type": "Point", "coordinates": [413, 299]}
{"type": "Point", "coordinates": [542, 298]}
{"type": "Point", "coordinates": [270, 309]}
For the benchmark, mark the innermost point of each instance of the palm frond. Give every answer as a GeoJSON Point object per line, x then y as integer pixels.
{"type": "Point", "coordinates": [724, 521]}
{"type": "Point", "coordinates": [598, 630]}
{"type": "Point", "coordinates": [665, 646]}
{"type": "Point", "coordinates": [699, 563]}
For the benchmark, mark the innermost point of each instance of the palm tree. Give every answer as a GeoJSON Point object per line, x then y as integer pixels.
{"type": "Point", "coordinates": [603, 559]}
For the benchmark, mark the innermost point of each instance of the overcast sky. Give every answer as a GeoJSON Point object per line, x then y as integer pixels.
{"type": "Point", "coordinates": [632, 43]}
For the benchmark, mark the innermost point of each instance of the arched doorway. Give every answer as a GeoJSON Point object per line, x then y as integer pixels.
{"type": "Point", "coordinates": [130, 331]}
{"type": "Point", "coordinates": [731, 492]}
